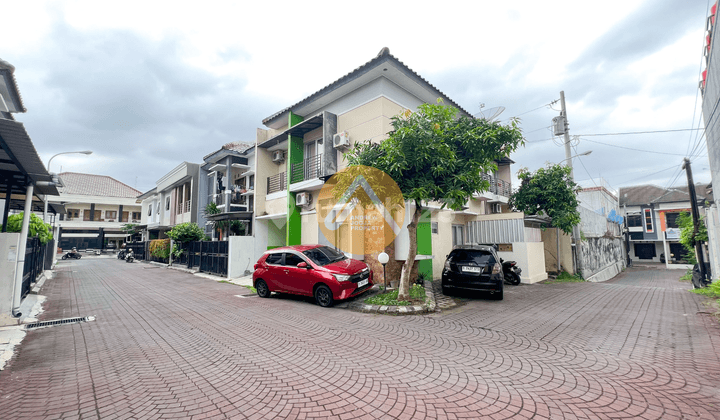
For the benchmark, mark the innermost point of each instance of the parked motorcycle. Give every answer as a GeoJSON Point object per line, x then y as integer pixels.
{"type": "Point", "coordinates": [121, 255]}
{"type": "Point", "coordinates": [72, 255]}
{"type": "Point", "coordinates": [511, 272]}
{"type": "Point", "coordinates": [129, 257]}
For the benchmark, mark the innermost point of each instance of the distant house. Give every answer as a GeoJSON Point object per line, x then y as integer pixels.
{"type": "Point", "coordinates": [651, 213]}
{"type": "Point", "coordinates": [174, 200]}
{"type": "Point", "coordinates": [97, 206]}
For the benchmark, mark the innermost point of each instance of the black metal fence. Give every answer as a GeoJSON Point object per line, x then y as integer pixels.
{"type": "Point", "coordinates": [210, 257]}
{"type": "Point", "coordinates": [139, 249]}
{"type": "Point", "coordinates": [34, 263]}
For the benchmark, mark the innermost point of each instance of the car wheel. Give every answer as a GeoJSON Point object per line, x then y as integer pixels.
{"type": "Point", "coordinates": [262, 289]}
{"type": "Point", "coordinates": [323, 296]}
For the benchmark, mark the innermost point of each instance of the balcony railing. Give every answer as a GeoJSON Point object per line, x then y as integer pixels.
{"type": "Point", "coordinates": [498, 186]}
{"type": "Point", "coordinates": [309, 168]}
{"type": "Point", "coordinates": [276, 183]}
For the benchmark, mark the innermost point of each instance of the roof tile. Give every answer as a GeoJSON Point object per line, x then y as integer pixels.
{"type": "Point", "coordinates": [97, 185]}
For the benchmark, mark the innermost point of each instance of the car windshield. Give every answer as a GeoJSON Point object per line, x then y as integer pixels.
{"type": "Point", "coordinates": [472, 256]}
{"type": "Point", "coordinates": [324, 255]}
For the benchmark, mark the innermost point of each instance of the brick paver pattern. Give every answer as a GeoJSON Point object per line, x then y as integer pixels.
{"type": "Point", "coordinates": [167, 344]}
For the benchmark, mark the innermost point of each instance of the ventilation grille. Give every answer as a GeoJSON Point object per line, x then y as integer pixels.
{"type": "Point", "coordinates": [45, 324]}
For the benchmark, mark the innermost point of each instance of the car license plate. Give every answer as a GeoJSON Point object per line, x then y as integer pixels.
{"type": "Point", "coordinates": [467, 269]}
{"type": "Point", "coordinates": [362, 283]}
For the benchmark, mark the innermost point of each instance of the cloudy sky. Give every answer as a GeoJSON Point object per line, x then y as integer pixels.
{"type": "Point", "coordinates": [149, 84]}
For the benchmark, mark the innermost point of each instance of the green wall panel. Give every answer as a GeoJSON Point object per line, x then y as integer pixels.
{"type": "Point", "coordinates": [424, 244]}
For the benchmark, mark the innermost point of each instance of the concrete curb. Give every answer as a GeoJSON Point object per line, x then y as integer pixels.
{"type": "Point", "coordinates": [428, 307]}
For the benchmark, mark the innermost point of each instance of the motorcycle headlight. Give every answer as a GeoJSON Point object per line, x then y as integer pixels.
{"type": "Point", "coordinates": [341, 277]}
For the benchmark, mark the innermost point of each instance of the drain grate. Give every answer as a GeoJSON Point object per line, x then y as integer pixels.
{"type": "Point", "coordinates": [66, 321]}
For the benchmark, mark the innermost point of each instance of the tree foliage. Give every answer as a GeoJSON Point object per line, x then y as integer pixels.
{"type": "Point", "coordinates": [130, 229]}
{"type": "Point", "coordinates": [434, 155]}
{"type": "Point", "coordinates": [36, 227]}
{"type": "Point", "coordinates": [160, 248]}
{"type": "Point", "coordinates": [687, 234]}
{"type": "Point", "coordinates": [186, 232]}
{"type": "Point", "coordinates": [548, 191]}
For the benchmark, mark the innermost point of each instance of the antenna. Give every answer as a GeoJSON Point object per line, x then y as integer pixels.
{"type": "Point", "coordinates": [489, 114]}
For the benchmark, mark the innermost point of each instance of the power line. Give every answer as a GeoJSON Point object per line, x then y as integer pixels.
{"type": "Point", "coordinates": [637, 150]}
{"type": "Point", "coordinates": [535, 109]}
{"type": "Point", "coordinates": [583, 165]}
{"type": "Point", "coordinates": [639, 132]}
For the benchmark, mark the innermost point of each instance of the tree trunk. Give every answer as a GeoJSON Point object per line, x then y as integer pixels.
{"type": "Point", "coordinates": [404, 288]}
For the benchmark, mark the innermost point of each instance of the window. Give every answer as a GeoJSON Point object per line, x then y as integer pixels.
{"type": "Point", "coordinates": [167, 203]}
{"type": "Point", "coordinates": [434, 227]}
{"type": "Point", "coordinates": [149, 209]}
{"type": "Point", "coordinates": [458, 235]}
{"type": "Point", "coordinates": [634, 220]}
{"type": "Point", "coordinates": [252, 182]}
{"type": "Point", "coordinates": [274, 259]}
{"type": "Point", "coordinates": [292, 260]}
{"type": "Point", "coordinates": [648, 221]}
{"type": "Point", "coordinates": [672, 220]}
{"type": "Point", "coordinates": [110, 214]}
{"type": "Point", "coordinates": [124, 217]}
{"type": "Point", "coordinates": [135, 215]}
{"type": "Point", "coordinates": [86, 215]}
{"type": "Point", "coordinates": [636, 236]}
{"type": "Point", "coordinates": [73, 214]}
{"type": "Point", "coordinates": [324, 255]}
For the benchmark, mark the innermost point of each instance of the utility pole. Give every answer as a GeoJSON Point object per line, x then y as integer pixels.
{"type": "Point", "coordinates": [568, 156]}
{"type": "Point", "coordinates": [696, 220]}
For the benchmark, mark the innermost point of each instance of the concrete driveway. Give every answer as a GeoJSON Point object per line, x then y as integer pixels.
{"type": "Point", "coordinates": [167, 344]}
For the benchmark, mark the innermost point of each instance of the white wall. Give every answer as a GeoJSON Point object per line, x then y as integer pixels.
{"type": "Point", "coordinates": [9, 244]}
{"type": "Point", "coordinates": [530, 257]}
{"type": "Point", "coordinates": [241, 255]}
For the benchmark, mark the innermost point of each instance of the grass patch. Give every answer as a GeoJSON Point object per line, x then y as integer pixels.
{"type": "Point", "coordinates": [228, 282]}
{"type": "Point", "coordinates": [712, 291]}
{"type": "Point", "coordinates": [687, 276]}
{"type": "Point", "coordinates": [566, 277]}
{"type": "Point", "coordinates": [417, 293]}
{"type": "Point", "coordinates": [252, 289]}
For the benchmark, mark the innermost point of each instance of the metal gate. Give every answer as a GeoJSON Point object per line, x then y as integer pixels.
{"type": "Point", "coordinates": [210, 257]}
{"type": "Point", "coordinates": [139, 249]}
{"type": "Point", "coordinates": [33, 266]}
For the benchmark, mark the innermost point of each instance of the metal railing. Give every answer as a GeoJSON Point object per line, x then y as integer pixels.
{"type": "Point", "coordinates": [498, 186]}
{"type": "Point", "coordinates": [309, 168]}
{"type": "Point", "coordinates": [276, 183]}
{"type": "Point", "coordinates": [33, 265]}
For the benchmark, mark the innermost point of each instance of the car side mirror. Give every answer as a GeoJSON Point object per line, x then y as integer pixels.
{"type": "Point", "coordinates": [303, 265]}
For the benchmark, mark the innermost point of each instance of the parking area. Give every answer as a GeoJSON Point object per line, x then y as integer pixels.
{"type": "Point", "coordinates": [167, 344]}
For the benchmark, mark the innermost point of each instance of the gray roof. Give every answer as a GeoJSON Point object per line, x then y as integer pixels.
{"type": "Point", "coordinates": [8, 71]}
{"type": "Point", "coordinates": [97, 185]}
{"type": "Point", "coordinates": [238, 146]}
{"type": "Point", "coordinates": [652, 194]}
{"type": "Point", "coordinates": [382, 57]}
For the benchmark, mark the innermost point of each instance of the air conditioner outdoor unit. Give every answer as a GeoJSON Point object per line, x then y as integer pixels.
{"type": "Point", "coordinates": [278, 156]}
{"type": "Point", "coordinates": [303, 199]}
{"type": "Point", "coordinates": [495, 208]}
{"type": "Point", "coordinates": [341, 140]}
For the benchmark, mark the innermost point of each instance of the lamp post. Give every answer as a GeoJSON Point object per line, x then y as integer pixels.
{"type": "Point", "coordinates": [383, 259]}
{"type": "Point", "coordinates": [84, 152]}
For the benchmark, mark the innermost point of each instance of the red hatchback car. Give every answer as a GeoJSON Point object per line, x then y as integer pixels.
{"type": "Point", "coordinates": [311, 270]}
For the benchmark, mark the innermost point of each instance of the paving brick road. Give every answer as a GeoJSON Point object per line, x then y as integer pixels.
{"type": "Point", "coordinates": [167, 344]}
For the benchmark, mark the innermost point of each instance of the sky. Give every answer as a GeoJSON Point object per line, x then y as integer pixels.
{"type": "Point", "coordinates": [149, 84]}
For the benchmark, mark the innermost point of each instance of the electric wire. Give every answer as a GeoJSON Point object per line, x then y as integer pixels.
{"type": "Point", "coordinates": [583, 165]}
{"type": "Point", "coordinates": [637, 150]}
{"type": "Point", "coordinates": [535, 109]}
{"type": "Point", "coordinates": [638, 132]}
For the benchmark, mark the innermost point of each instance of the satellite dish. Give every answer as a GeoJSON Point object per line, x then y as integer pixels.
{"type": "Point", "coordinates": [490, 114]}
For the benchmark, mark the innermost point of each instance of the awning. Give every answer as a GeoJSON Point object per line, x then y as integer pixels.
{"type": "Point", "coordinates": [233, 215]}
{"type": "Point", "coordinates": [298, 130]}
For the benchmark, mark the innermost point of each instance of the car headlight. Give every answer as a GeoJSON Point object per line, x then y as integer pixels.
{"type": "Point", "coordinates": [497, 268]}
{"type": "Point", "coordinates": [341, 277]}
{"type": "Point", "coordinates": [447, 265]}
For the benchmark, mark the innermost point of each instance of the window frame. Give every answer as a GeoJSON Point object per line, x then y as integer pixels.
{"type": "Point", "coordinates": [648, 223]}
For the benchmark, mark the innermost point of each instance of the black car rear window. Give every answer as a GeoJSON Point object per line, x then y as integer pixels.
{"type": "Point", "coordinates": [472, 256]}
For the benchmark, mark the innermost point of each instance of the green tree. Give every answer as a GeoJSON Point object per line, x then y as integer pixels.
{"type": "Point", "coordinates": [434, 155]}
{"type": "Point", "coordinates": [687, 234]}
{"type": "Point", "coordinates": [548, 191]}
{"type": "Point", "coordinates": [36, 227]}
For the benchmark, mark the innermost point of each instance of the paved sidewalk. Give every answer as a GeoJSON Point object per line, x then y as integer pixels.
{"type": "Point", "coordinates": [168, 344]}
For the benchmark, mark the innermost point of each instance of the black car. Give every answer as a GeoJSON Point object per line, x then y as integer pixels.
{"type": "Point", "coordinates": [473, 267]}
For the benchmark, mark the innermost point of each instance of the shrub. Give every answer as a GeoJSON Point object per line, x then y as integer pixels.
{"type": "Point", "coordinates": [160, 248]}
{"type": "Point", "coordinates": [36, 227]}
{"type": "Point", "coordinates": [186, 232]}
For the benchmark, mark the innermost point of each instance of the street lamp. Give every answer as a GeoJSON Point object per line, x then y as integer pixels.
{"type": "Point", "coordinates": [84, 152]}
{"type": "Point", "coordinates": [578, 155]}
{"type": "Point", "coordinates": [383, 259]}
